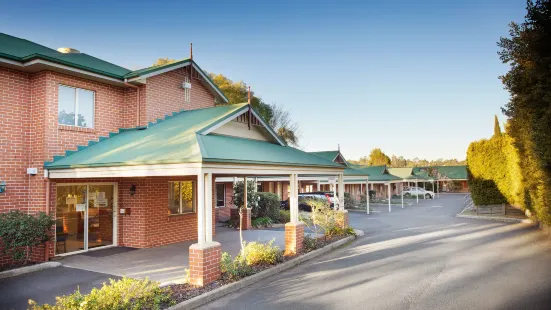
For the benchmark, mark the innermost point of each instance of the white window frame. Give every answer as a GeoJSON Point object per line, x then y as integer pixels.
{"type": "Point", "coordinates": [76, 106]}
{"type": "Point", "coordinates": [194, 198]}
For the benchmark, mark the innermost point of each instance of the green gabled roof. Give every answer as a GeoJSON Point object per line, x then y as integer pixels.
{"type": "Point", "coordinates": [452, 172]}
{"type": "Point", "coordinates": [23, 50]}
{"type": "Point", "coordinates": [178, 139]}
{"type": "Point", "coordinates": [423, 172]}
{"type": "Point", "coordinates": [218, 148]}
{"type": "Point", "coordinates": [153, 69]}
{"type": "Point", "coordinates": [329, 155]}
{"type": "Point", "coordinates": [375, 173]}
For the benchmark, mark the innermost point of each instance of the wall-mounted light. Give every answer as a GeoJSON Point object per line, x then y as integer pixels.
{"type": "Point", "coordinates": [132, 190]}
{"type": "Point", "coordinates": [2, 186]}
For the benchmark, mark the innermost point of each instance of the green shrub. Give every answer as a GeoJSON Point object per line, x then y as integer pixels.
{"type": "Point", "coordinates": [284, 216]}
{"type": "Point", "coordinates": [262, 222]}
{"type": "Point", "coordinates": [309, 243]}
{"type": "Point", "coordinates": [234, 269]}
{"type": "Point", "coordinates": [349, 201]}
{"type": "Point", "coordinates": [321, 219]}
{"type": "Point", "coordinates": [257, 253]}
{"type": "Point", "coordinates": [118, 294]}
{"type": "Point", "coordinates": [494, 175]}
{"type": "Point", "coordinates": [21, 233]}
{"type": "Point", "coordinates": [268, 206]}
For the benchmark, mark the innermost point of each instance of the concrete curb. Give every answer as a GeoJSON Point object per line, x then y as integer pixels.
{"type": "Point", "coordinates": [200, 300]}
{"type": "Point", "coordinates": [496, 218]}
{"type": "Point", "coordinates": [28, 269]}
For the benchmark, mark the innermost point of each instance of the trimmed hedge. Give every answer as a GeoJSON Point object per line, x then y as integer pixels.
{"type": "Point", "coordinates": [494, 174]}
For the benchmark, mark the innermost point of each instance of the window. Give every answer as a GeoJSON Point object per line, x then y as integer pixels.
{"type": "Point", "coordinates": [259, 187]}
{"type": "Point", "coordinates": [181, 197]}
{"type": "Point", "coordinates": [187, 91]}
{"type": "Point", "coordinates": [220, 195]}
{"type": "Point", "coordinates": [75, 101]}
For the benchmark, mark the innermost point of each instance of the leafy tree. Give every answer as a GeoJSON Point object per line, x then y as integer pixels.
{"type": "Point", "coordinates": [528, 52]}
{"type": "Point", "coordinates": [163, 61]}
{"type": "Point", "coordinates": [497, 128]}
{"type": "Point", "coordinates": [378, 158]}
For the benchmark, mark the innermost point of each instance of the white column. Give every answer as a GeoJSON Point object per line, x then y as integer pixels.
{"type": "Point", "coordinates": [201, 238]}
{"type": "Point", "coordinates": [367, 194]}
{"type": "Point", "coordinates": [244, 192]}
{"type": "Point", "coordinates": [341, 192]}
{"type": "Point", "coordinates": [318, 186]}
{"type": "Point", "coordinates": [389, 197]}
{"type": "Point", "coordinates": [417, 186]}
{"type": "Point", "coordinates": [293, 197]}
{"type": "Point", "coordinates": [437, 189]}
{"type": "Point", "coordinates": [402, 194]}
{"type": "Point", "coordinates": [335, 196]}
{"type": "Point", "coordinates": [423, 188]}
{"type": "Point", "coordinates": [208, 207]}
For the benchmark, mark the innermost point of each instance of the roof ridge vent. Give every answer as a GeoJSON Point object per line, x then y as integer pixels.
{"type": "Point", "coordinates": [68, 50]}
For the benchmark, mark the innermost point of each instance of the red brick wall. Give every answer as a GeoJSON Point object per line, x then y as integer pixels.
{"type": "Point", "coordinates": [166, 95]}
{"type": "Point", "coordinates": [15, 101]}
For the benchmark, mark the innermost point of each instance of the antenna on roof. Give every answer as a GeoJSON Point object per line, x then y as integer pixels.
{"type": "Point", "coordinates": [339, 146]}
{"type": "Point", "coordinates": [191, 51]}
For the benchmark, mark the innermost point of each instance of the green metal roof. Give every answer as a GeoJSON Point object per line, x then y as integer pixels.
{"type": "Point", "coordinates": [178, 139]}
{"type": "Point", "coordinates": [22, 50]}
{"type": "Point", "coordinates": [406, 174]}
{"type": "Point", "coordinates": [452, 172]}
{"type": "Point", "coordinates": [374, 173]}
{"type": "Point", "coordinates": [329, 155]}
{"type": "Point", "coordinates": [218, 148]}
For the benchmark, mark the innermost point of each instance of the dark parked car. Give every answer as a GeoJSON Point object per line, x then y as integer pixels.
{"type": "Point", "coordinates": [303, 197]}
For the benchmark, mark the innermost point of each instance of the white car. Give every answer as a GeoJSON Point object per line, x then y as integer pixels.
{"type": "Point", "coordinates": [418, 191]}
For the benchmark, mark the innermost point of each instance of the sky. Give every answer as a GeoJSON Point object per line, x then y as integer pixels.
{"type": "Point", "coordinates": [414, 78]}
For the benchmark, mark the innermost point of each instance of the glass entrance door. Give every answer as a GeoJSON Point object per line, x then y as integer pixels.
{"type": "Point", "coordinates": [84, 217]}
{"type": "Point", "coordinates": [100, 215]}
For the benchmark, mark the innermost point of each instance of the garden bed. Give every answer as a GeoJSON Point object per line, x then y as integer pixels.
{"type": "Point", "coordinates": [183, 292]}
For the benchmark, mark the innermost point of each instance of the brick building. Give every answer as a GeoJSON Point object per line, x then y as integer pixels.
{"type": "Point", "coordinates": [128, 158]}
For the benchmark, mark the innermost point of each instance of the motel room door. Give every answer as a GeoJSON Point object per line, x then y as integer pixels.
{"type": "Point", "coordinates": [85, 217]}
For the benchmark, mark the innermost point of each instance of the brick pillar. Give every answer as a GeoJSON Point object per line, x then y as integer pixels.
{"type": "Point", "coordinates": [204, 263]}
{"type": "Point", "coordinates": [234, 213]}
{"type": "Point", "coordinates": [294, 235]}
{"type": "Point", "coordinates": [342, 219]}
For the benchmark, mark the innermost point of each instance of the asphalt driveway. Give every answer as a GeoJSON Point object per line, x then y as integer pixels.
{"type": "Point", "coordinates": [42, 286]}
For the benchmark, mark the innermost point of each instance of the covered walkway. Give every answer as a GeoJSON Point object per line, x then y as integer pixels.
{"type": "Point", "coordinates": [167, 263]}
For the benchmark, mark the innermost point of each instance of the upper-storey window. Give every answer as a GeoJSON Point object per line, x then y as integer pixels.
{"type": "Point", "coordinates": [75, 101]}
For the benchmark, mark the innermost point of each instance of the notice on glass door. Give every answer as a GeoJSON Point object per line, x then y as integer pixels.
{"type": "Point", "coordinates": [71, 200]}
{"type": "Point", "coordinates": [81, 207]}
{"type": "Point", "coordinates": [92, 196]}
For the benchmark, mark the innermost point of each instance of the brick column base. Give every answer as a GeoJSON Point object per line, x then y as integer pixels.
{"type": "Point", "coordinates": [342, 219]}
{"type": "Point", "coordinates": [204, 263]}
{"type": "Point", "coordinates": [234, 215]}
{"type": "Point", "coordinates": [294, 235]}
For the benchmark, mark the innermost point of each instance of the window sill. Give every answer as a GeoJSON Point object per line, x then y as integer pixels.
{"type": "Point", "coordinates": [74, 128]}
{"type": "Point", "coordinates": [180, 214]}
